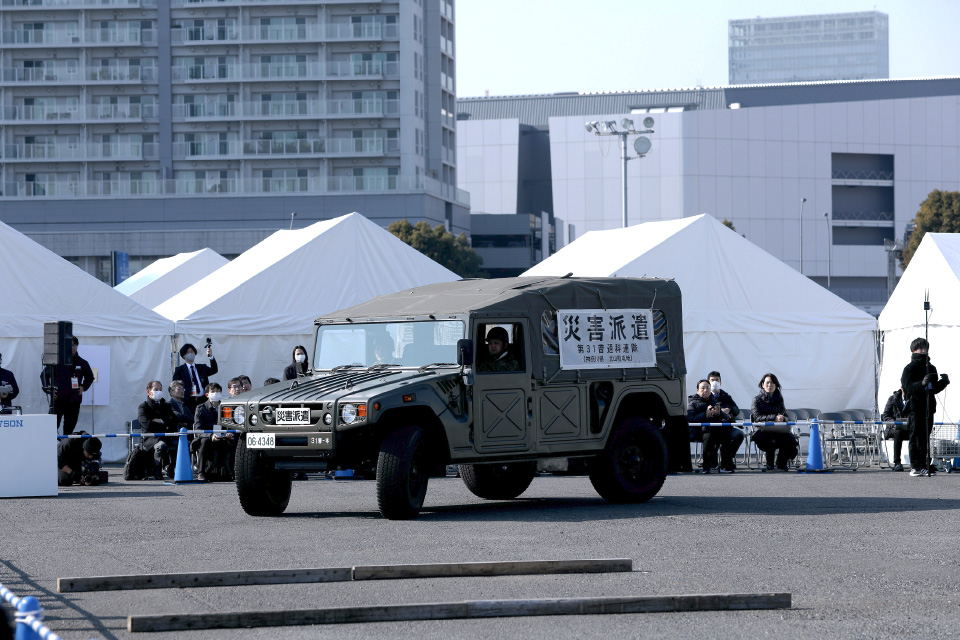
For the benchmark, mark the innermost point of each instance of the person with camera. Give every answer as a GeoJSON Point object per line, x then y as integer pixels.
{"type": "Point", "coordinates": [894, 411]}
{"type": "Point", "coordinates": [8, 388]}
{"type": "Point", "coordinates": [156, 416]}
{"type": "Point", "coordinates": [775, 440]}
{"type": "Point", "coordinates": [701, 409]}
{"type": "Point", "coordinates": [70, 382]}
{"type": "Point", "coordinates": [730, 413]}
{"type": "Point", "coordinates": [78, 461]}
{"type": "Point", "coordinates": [215, 448]}
{"type": "Point", "coordinates": [921, 383]}
{"type": "Point", "coordinates": [195, 376]}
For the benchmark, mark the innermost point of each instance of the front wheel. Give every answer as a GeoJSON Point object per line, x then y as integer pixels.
{"type": "Point", "coordinates": [498, 481]}
{"type": "Point", "coordinates": [633, 465]}
{"type": "Point", "coordinates": [263, 490]}
{"type": "Point", "coordinates": [402, 473]}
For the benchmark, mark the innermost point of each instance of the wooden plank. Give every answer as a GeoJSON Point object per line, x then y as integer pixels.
{"type": "Point", "coordinates": [453, 610]}
{"type": "Point", "coordinates": [206, 579]}
{"type": "Point", "coordinates": [461, 569]}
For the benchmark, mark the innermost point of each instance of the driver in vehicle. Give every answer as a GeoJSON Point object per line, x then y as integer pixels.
{"type": "Point", "coordinates": [499, 358]}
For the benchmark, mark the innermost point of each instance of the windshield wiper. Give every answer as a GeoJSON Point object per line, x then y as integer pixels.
{"type": "Point", "coordinates": [340, 367]}
{"type": "Point", "coordinates": [382, 365]}
{"type": "Point", "coordinates": [436, 364]}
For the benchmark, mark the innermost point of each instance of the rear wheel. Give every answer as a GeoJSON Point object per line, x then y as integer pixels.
{"type": "Point", "coordinates": [633, 465]}
{"type": "Point", "coordinates": [498, 481]}
{"type": "Point", "coordinates": [263, 490]}
{"type": "Point", "coordinates": [402, 473]}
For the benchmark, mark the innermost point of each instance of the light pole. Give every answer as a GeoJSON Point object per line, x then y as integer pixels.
{"type": "Point", "coordinates": [641, 145]}
{"type": "Point", "coordinates": [802, 201]}
{"type": "Point", "coordinates": [293, 214]}
{"type": "Point", "coordinates": [826, 216]}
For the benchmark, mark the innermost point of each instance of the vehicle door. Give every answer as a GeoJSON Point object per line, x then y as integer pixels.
{"type": "Point", "coordinates": [503, 405]}
{"type": "Point", "coordinates": [561, 406]}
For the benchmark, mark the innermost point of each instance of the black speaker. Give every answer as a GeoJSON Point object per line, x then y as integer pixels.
{"type": "Point", "coordinates": [57, 343]}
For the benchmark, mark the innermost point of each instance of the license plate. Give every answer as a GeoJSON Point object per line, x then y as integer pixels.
{"type": "Point", "coordinates": [292, 417]}
{"type": "Point", "coordinates": [261, 441]}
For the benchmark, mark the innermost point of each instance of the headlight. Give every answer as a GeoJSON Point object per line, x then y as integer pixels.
{"type": "Point", "coordinates": [253, 419]}
{"type": "Point", "coordinates": [239, 415]}
{"type": "Point", "coordinates": [348, 413]}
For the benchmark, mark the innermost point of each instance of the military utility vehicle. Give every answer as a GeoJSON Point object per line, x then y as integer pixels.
{"type": "Point", "coordinates": [490, 375]}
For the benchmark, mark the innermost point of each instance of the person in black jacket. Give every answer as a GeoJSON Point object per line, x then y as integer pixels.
{"type": "Point", "coordinates": [71, 453]}
{"type": "Point", "coordinates": [156, 416]}
{"type": "Point", "coordinates": [773, 440]}
{"type": "Point", "coordinates": [920, 384]}
{"type": "Point", "coordinates": [7, 380]}
{"type": "Point", "coordinates": [300, 364]}
{"type": "Point", "coordinates": [70, 382]}
{"type": "Point", "coordinates": [701, 409]}
{"type": "Point", "coordinates": [894, 411]}
{"type": "Point", "coordinates": [214, 448]}
{"type": "Point", "coordinates": [195, 377]}
{"type": "Point", "coordinates": [731, 413]}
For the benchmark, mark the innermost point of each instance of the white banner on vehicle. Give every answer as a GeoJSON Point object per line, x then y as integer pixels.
{"type": "Point", "coordinates": [606, 339]}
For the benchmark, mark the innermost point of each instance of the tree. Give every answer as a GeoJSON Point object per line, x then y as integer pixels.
{"type": "Point", "coordinates": [728, 224]}
{"type": "Point", "coordinates": [438, 244]}
{"type": "Point", "coordinates": [939, 213]}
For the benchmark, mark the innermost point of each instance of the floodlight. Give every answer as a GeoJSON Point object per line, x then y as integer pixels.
{"type": "Point", "coordinates": [627, 124]}
{"type": "Point", "coordinates": [589, 126]}
{"type": "Point", "coordinates": [642, 145]}
{"type": "Point", "coordinates": [648, 122]}
{"type": "Point", "coordinates": [611, 125]}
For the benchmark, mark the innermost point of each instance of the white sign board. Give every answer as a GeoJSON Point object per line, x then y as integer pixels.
{"type": "Point", "coordinates": [98, 357]}
{"type": "Point", "coordinates": [606, 339]}
{"type": "Point", "coordinates": [28, 456]}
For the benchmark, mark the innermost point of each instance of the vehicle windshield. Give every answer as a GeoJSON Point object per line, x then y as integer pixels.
{"type": "Point", "coordinates": [406, 344]}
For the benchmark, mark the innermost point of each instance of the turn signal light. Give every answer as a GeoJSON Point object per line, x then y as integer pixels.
{"type": "Point", "coordinates": [412, 397]}
{"type": "Point", "coordinates": [361, 411]}
{"type": "Point", "coordinates": [228, 413]}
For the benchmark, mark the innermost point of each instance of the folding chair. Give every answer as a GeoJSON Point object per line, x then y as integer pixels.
{"type": "Point", "coordinates": [839, 440]}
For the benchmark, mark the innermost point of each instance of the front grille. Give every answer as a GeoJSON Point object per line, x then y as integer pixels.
{"type": "Point", "coordinates": [291, 441]}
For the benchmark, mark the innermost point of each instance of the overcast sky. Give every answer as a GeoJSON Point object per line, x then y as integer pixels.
{"type": "Point", "coordinates": [510, 47]}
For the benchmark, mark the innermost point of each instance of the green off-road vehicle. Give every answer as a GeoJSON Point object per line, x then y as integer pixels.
{"type": "Point", "coordinates": [490, 375]}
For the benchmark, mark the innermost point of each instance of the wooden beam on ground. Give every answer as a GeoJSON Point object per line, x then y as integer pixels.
{"type": "Point", "coordinates": [469, 569]}
{"type": "Point", "coordinates": [453, 610]}
{"type": "Point", "coordinates": [206, 579]}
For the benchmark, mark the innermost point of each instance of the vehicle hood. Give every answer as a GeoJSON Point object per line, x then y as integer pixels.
{"type": "Point", "coordinates": [322, 387]}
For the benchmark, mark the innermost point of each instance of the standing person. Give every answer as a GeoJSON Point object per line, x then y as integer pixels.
{"type": "Point", "coordinates": [894, 411]}
{"type": "Point", "coordinates": [920, 384]}
{"type": "Point", "coordinates": [156, 416]}
{"type": "Point", "coordinates": [195, 377]}
{"type": "Point", "coordinates": [700, 409]}
{"type": "Point", "coordinates": [299, 366]}
{"type": "Point", "coordinates": [8, 387]}
{"type": "Point", "coordinates": [731, 413]}
{"type": "Point", "coordinates": [70, 383]}
{"type": "Point", "coordinates": [773, 440]}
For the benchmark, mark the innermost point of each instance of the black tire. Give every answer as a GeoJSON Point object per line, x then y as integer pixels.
{"type": "Point", "coordinates": [263, 490]}
{"type": "Point", "coordinates": [403, 471]}
{"type": "Point", "coordinates": [633, 465]}
{"type": "Point", "coordinates": [498, 481]}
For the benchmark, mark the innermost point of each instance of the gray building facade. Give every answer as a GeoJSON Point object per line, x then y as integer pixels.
{"type": "Point", "coordinates": [161, 126]}
{"type": "Point", "coordinates": [836, 46]}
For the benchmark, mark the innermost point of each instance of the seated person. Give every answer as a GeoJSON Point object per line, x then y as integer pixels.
{"type": "Point", "coordinates": [270, 381]}
{"type": "Point", "coordinates": [731, 413]}
{"type": "Point", "coordinates": [774, 440]}
{"type": "Point", "coordinates": [383, 350]}
{"type": "Point", "coordinates": [895, 411]}
{"type": "Point", "coordinates": [499, 358]}
{"type": "Point", "coordinates": [701, 409]}
{"type": "Point", "coordinates": [215, 448]}
{"type": "Point", "coordinates": [245, 382]}
{"type": "Point", "coordinates": [71, 455]}
{"type": "Point", "coordinates": [156, 416]}
{"type": "Point", "coordinates": [184, 418]}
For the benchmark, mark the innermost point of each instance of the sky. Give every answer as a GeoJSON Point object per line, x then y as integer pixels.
{"type": "Point", "coordinates": [515, 47]}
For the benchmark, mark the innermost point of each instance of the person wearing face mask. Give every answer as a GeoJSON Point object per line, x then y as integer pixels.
{"type": "Point", "coordinates": [195, 376]}
{"type": "Point", "coordinates": [156, 416]}
{"type": "Point", "coordinates": [730, 412]}
{"type": "Point", "coordinates": [8, 388]}
{"type": "Point", "coordinates": [773, 440]}
{"type": "Point", "coordinates": [214, 448]}
{"type": "Point", "coordinates": [920, 384]}
{"type": "Point", "coordinates": [299, 366]}
{"type": "Point", "coordinates": [700, 409]}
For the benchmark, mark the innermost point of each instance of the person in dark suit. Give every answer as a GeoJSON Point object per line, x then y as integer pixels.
{"type": "Point", "coordinates": [7, 381]}
{"type": "Point", "coordinates": [299, 365]}
{"type": "Point", "coordinates": [195, 377]}
{"type": "Point", "coordinates": [156, 416]}
{"type": "Point", "coordinates": [70, 383]}
{"type": "Point", "coordinates": [214, 452]}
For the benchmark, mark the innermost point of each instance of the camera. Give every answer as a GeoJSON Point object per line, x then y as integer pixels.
{"type": "Point", "coordinates": [90, 472]}
{"type": "Point", "coordinates": [209, 343]}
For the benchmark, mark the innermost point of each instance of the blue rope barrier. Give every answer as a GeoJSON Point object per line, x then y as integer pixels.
{"type": "Point", "coordinates": [747, 423]}
{"type": "Point", "coordinates": [29, 617]}
{"type": "Point", "coordinates": [81, 436]}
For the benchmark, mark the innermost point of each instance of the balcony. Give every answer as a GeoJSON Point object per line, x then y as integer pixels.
{"type": "Point", "coordinates": [195, 73]}
{"type": "Point", "coordinates": [76, 75]}
{"type": "Point", "coordinates": [285, 110]}
{"type": "Point", "coordinates": [177, 4]}
{"type": "Point", "coordinates": [21, 114]}
{"type": "Point", "coordinates": [63, 151]}
{"type": "Point", "coordinates": [85, 38]}
{"type": "Point", "coordinates": [78, 4]}
{"type": "Point", "coordinates": [285, 33]}
{"type": "Point", "coordinates": [863, 218]}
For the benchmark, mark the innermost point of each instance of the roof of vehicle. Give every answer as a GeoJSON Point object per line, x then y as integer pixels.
{"type": "Point", "coordinates": [517, 296]}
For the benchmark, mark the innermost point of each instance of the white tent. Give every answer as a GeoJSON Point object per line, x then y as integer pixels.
{"type": "Point", "coordinates": [260, 305]}
{"type": "Point", "coordinates": [163, 279]}
{"type": "Point", "coordinates": [127, 343]}
{"type": "Point", "coordinates": [935, 268]}
{"type": "Point", "coordinates": [745, 313]}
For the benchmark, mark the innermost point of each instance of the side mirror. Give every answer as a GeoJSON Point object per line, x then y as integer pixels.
{"type": "Point", "coordinates": [464, 352]}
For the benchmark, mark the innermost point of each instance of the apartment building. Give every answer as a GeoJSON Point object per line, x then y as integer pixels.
{"type": "Point", "coordinates": [160, 126]}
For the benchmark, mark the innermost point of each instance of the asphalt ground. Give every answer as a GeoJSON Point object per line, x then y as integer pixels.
{"type": "Point", "coordinates": [866, 554]}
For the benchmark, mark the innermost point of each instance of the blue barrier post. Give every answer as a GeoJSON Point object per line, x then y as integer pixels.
{"type": "Point", "coordinates": [28, 606]}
